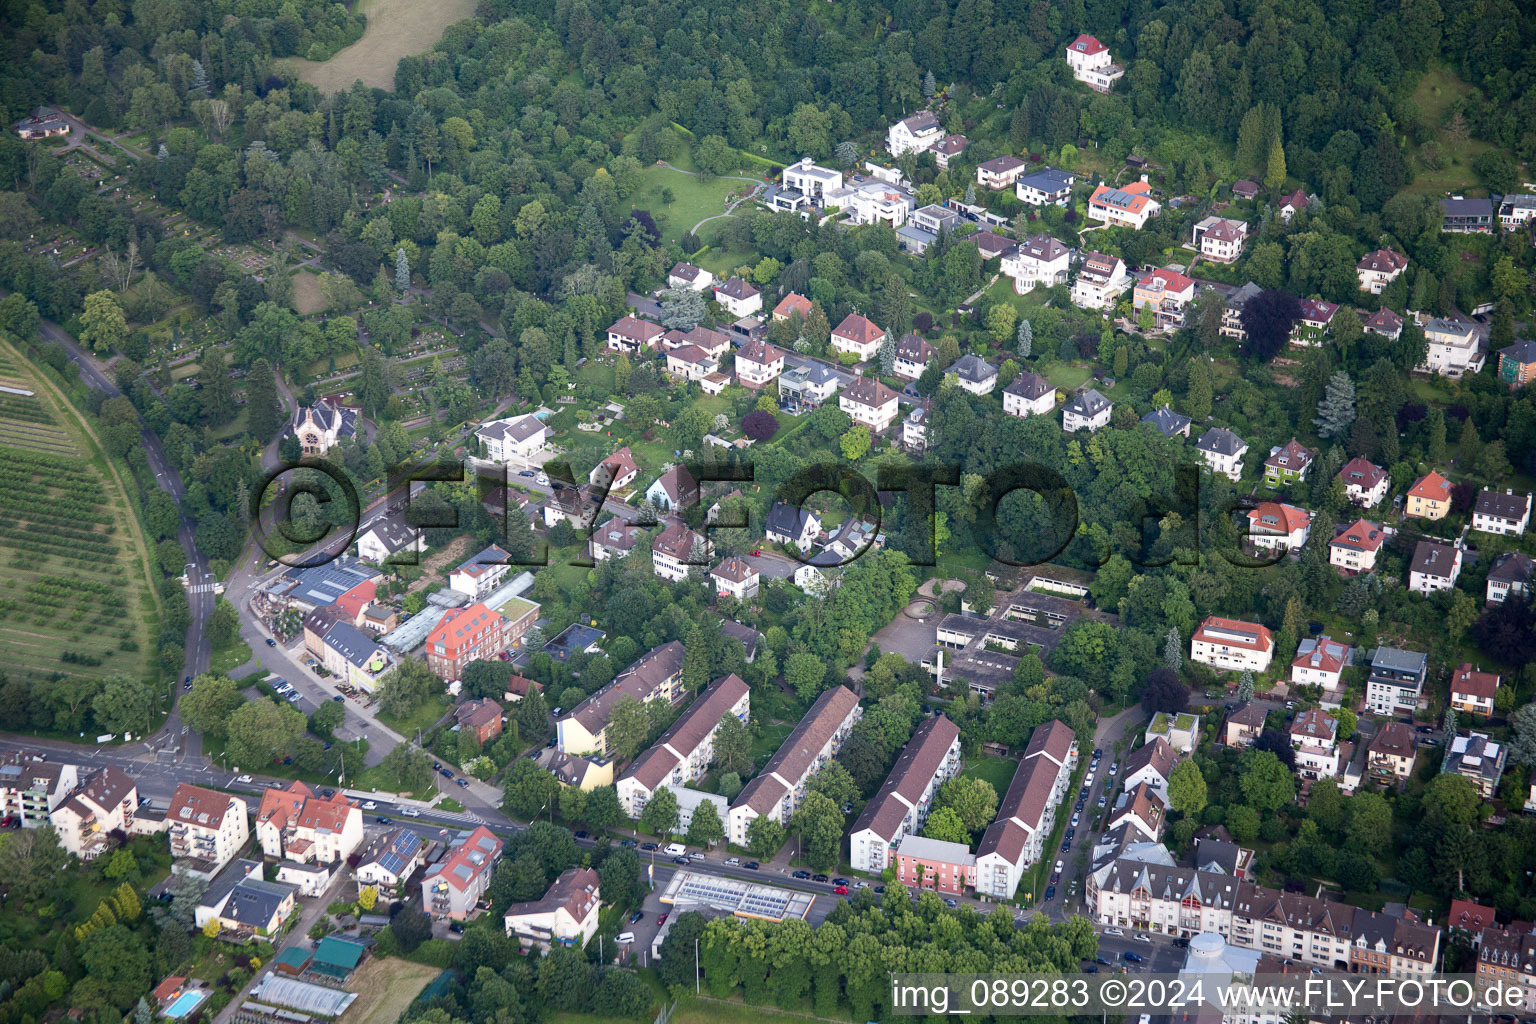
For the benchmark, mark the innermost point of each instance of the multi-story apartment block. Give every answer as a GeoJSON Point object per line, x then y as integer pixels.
{"type": "Point", "coordinates": [780, 787]}
{"type": "Point", "coordinates": [1231, 645]}
{"type": "Point", "coordinates": [32, 786]}
{"type": "Point", "coordinates": [472, 633]}
{"type": "Point", "coordinates": [930, 758]}
{"type": "Point", "coordinates": [1507, 514]}
{"type": "Point", "coordinates": [658, 675]}
{"type": "Point", "coordinates": [685, 750]}
{"type": "Point", "coordinates": [923, 863]}
{"type": "Point", "coordinates": [1391, 753]}
{"type": "Point", "coordinates": [452, 886]}
{"type": "Point", "coordinates": [299, 825]}
{"type": "Point", "coordinates": [1027, 813]}
{"type": "Point", "coordinates": [104, 803]}
{"type": "Point", "coordinates": [1507, 956]}
{"type": "Point", "coordinates": [1396, 680]}
{"type": "Point", "coordinates": [1355, 548]}
{"type": "Point", "coordinates": [207, 829]}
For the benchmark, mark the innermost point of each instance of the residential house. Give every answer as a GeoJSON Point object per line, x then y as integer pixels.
{"type": "Point", "coordinates": [1293, 204]}
{"type": "Point", "coordinates": [876, 202]}
{"type": "Point", "coordinates": [1365, 483]}
{"type": "Point", "coordinates": [518, 687]}
{"type": "Point", "coordinates": [930, 758]}
{"type": "Point", "coordinates": [1466, 216]}
{"type": "Point", "coordinates": [320, 427]}
{"type": "Point", "coordinates": [1315, 740]}
{"type": "Point", "coordinates": [481, 718]}
{"type": "Point", "coordinates": [913, 355]}
{"type": "Point", "coordinates": [566, 915]}
{"type": "Point", "coordinates": [245, 907]}
{"type": "Point", "coordinates": [686, 275]}
{"type": "Point", "coordinates": [1045, 187]}
{"type": "Point", "coordinates": [1506, 956]}
{"type": "Point", "coordinates": [812, 181]}
{"type": "Point", "coordinates": [1150, 765]}
{"type": "Point", "coordinates": [1100, 281]}
{"type": "Point", "coordinates": [1455, 347]}
{"type": "Point", "coordinates": [1029, 394]}
{"type": "Point", "coordinates": [515, 438]}
{"type": "Point", "coordinates": [923, 863]}
{"type": "Point", "coordinates": [914, 134]}
{"type": "Point", "coordinates": [1088, 411]}
{"type": "Point", "coordinates": [615, 539]}
{"type": "Point", "coordinates": [1355, 548]}
{"type": "Point", "coordinates": [1517, 363]}
{"type": "Point", "coordinates": [1091, 63]}
{"type": "Point", "coordinates": [616, 472]}
{"type": "Point", "coordinates": [1039, 259]}
{"type": "Point", "coordinates": [105, 803]}
{"type": "Point", "coordinates": [1167, 422]}
{"type": "Point", "coordinates": [1385, 323]}
{"type": "Point", "coordinates": [736, 578]}
{"type": "Point", "coordinates": [1000, 172]}
{"type": "Point", "coordinates": [31, 786]}
{"type": "Point", "coordinates": [1140, 810]}
{"type": "Point", "coordinates": [1391, 753]}
{"type": "Point", "coordinates": [1232, 312]}
{"type": "Point", "coordinates": [758, 363]}
{"type": "Point", "coordinates": [857, 335]}
{"type": "Point", "coordinates": [1509, 574]}
{"type": "Point", "coordinates": [792, 305]}
{"type": "Point", "coordinates": [472, 633]}
{"type": "Point", "coordinates": [1396, 680]}
{"type": "Point", "coordinates": [684, 752]}
{"type": "Point", "coordinates": [1181, 731]}
{"type": "Point", "coordinates": [974, 374]}
{"type": "Point", "coordinates": [1506, 514]}
{"type": "Point", "coordinates": [1516, 210]}
{"type": "Point", "coordinates": [297, 824]}
{"type": "Point", "coordinates": [929, 222]}
{"type": "Point", "coordinates": [207, 829]}
{"type": "Point", "coordinates": [1321, 662]}
{"type": "Point", "coordinates": [1223, 452]}
{"type": "Point", "coordinates": [1243, 726]}
{"type": "Point", "coordinates": [584, 773]}
{"type": "Point", "coordinates": [1219, 239]}
{"type": "Point", "coordinates": [631, 335]}
{"type": "Point", "coordinates": [780, 786]}
{"type": "Point", "coordinates": [791, 524]}
{"type": "Point", "coordinates": [739, 298]}
{"type": "Point", "coordinates": [1130, 206]}
{"type": "Point", "coordinates": [1316, 317]}
{"type": "Point", "coordinates": [657, 675]}
{"type": "Point", "coordinates": [914, 429]}
{"type": "Point", "coordinates": [1242, 188]}
{"type": "Point", "coordinates": [1380, 268]}
{"type": "Point", "coordinates": [452, 886]}
{"type": "Point", "coordinates": [807, 387]}
{"type": "Point", "coordinates": [479, 576]}
{"type": "Point", "coordinates": [390, 540]}
{"type": "Point", "coordinates": [1473, 690]}
{"type": "Point", "coordinates": [677, 549]}
{"type": "Point", "coordinates": [674, 490]}
{"type": "Point", "coordinates": [948, 149]}
{"type": "Point", "coordinates": [1435, 566]}
{"type": "Point", "coordinates": [1476, 758]}
{"type": "Point", "coordinates": [389, 860]}
{"type": "Point", "coordinates": [1166, 293]}
{"type": "Point", "coordinates": [1232, 645]}
{"type": "Point", "coordinates": [869, 402]}
{"type": "Point", "coordinates": [1429, 497]}
{"type": "Point", "coordinates": [1287, 464]}
{"type": "Point", "coordinates": [689, 362]}
{"type": "Point", "coordinates": [991, 245]}
{"type": "Point", "coordinates": [1026, 813]}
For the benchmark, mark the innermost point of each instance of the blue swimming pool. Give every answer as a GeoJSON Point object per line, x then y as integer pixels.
{"type": "Point", "coordinates": [186, 1003]}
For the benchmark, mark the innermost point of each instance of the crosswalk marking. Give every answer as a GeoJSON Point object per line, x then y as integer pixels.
{"type": "Point", "coordinates": [203, 588]}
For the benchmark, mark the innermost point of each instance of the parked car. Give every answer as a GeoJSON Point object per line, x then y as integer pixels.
{"type": "Point", "coordinates": [445, 773]}
{"type": "Point", "coordinates": [339, 697]}
{"type": "Point", "coordinates": [463, 783]}
{"type": "Point", "coordinates": [636, 916]}
{"type": "Point", "coordinates": [1141, 938]}
{"type": "Point", "coordinates": [679, 860]}
{"type": "Point", "coordinates": [1066, 846]}
{"type": "Point", "coordinates": [1050, 892]}
{"type": "Point", "coordinates": [820, 878]}
{"type": "Point", "coordinates": [732, 862]}
{"type": "Point", "coordinates": [879, 890]}
{"type": "Point", "coordinates": [243, 778]}
{"type": "Point", "coordinates": [583, 834]}
{"type": "Point", "coordinates": [1132, 957]}
{"type": "Point", "coordinates": [457, 927]}
{"type": "Point", "coordinates": [750, 865]}
{"type": "Point", "coordinates": [951, 903]}
{"type": "Point", "coordinates": [649, 846]}
{"type": "Point", "coordinates": [800, 874]}
{"type": "Point", "coordinates": [271, 642]}
{"type": "Point", "coordinates": [370, 806]}
{"type": "Point", "coordinates": [625, 938]}
{"type": "Point", "coordinates": [1114, 931]}
{"type": "Point", "coordinates": [385, 821]}
{"type": "Point", "coordinates": [410, 812]}
{"type": "Point", "coordinates": [626, 843]}
{"type": "Point", "coordinates": [662, 919]}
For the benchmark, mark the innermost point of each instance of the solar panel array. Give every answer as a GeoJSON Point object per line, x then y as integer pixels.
{"type": "Point", "coordinates": [743, 899]}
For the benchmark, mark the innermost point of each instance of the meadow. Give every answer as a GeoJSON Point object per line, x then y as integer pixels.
{"type": "Point", "coordinates": [396, 28]}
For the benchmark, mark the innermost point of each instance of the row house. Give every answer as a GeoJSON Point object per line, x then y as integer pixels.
{"type": "Point", "coordinates": [105, 803]}
{"type": "Point", "coordinates": [1219, 239]}
{"type": "Point", "coordinates": [858, 336]}
{"type": "Point", "coordinates": [1129, 207]}
{"type": "Point", "coordinates": [1091, 63]}
{"type": "Point", "coordinates": [1380, 268]}
{"type": "Point", "coordinates": [1029, 394]}
{"type": "Point", "coordinates": [1321, 661]}
{"type": "Point", "coordinates": [207, 829]}
{"type": "Point", "coordinates": [1355, 549]}
{"type": "Point", "coordinates": [1166, 293]}
{"type": "Point", "coordinates": [1429, 497]}
{"type": "Point", "coordinates": [923, 863]}
{"type": "Point", "coordinates": [389, 860]}
{"type": "Point", "coordinates": [1045, 187]}
{"type": "Point", "coordinates": [1287, 464]}
{"type": "Point", "coordinates": [1088, 411]}
{"type": "Point", "coordinates": [630, 335]}
{"type": "Point", "coordinates": [869, 402]}
{"type": "Point", "coordinates": [930, 758]}
{"type": "Point", "coordinates": [1365, 483]}
{"type": "Point", "coordinates": [1232, 645]}
{"type": "Point", "coordinates": [1506, 514]}
{"type": "Point", "coordinates": [1132, 892]}
{"type": "Point", "coordinates": [1141, 812]}
{"type": "Point", "coordinates": [1000, 172]}
{"type": "Point", "coordinates": [1473, 691]}
{"type": "Point", "coordinates": [676, 550]}
{"type": "Point", "coordinates": [1506, 956]}
{"type": "Point", "coordinates": [1476, 758]}
{"type": "Point", "coordinates": [1222, 451]}
{"type": "Point", "coordinates": [780, 787]}
{"type": "Point", "coordinates": [1396, 680]}
{"type": "Point", "coordinates": [1509, 574]}
{"type": "Point", "coordinates": [472, 633]}
{"type": "Point", "coordinates": [1027, 813]}
{"type": "Point", "coordinates": [1274, 524]}
{"type": "Point", "coordinates": [1454, 347]}
{"type": "Point", "coordinates": [1435, 566]}
{"type": "Point", "coordinates": [658, 675]}
{"type": "Point", "coordinates": [1100, 281]}
{"type": "Point", "coordinates": [913, 354]}
{"type": "Point", "coordinates": [685, 751]}
{"type": "Point", "coordinates": [1039, 260]}
{"type": "Point", "coordinates": [299, 825]}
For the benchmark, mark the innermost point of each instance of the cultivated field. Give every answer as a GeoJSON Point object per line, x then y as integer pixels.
{"type": "Point", "coordinates": [396, 28]}
{"type": "Point", "coordinates": [386, 988]}
{"type": "Point", "coordinates": [74, 597]}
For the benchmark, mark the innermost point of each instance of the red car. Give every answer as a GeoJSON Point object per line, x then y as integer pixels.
{"type": "Point", "coordinates": [661, 920]}
{"type": "Point", "coordinates": [841, 890]}
{"type": "Point", "coordinates": [757, 552]}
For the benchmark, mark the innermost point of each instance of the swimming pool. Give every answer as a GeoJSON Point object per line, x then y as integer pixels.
{"type": "Point", "coordinates": [186, 1003]}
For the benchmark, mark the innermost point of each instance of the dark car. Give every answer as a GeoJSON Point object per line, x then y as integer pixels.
{"type": "Point", "coordinates": [1066, 847]}
{"type": "Point", "coordinates": [339, 697]}
{"type": "Point", "coordinates": [1181, 943]}
{"type": "Point", "coordinates": [879, 890]}
{"type": "Point", "coordinates": [679, 860]}
{"type": "Point", "coordinates": [662, 919]}
{"type": "Point", "coordinates": [385, 821]}
{"type": "Point", "coordinates": [626, 843]}
{"type": "Point", "coordinates": [636, 916]}
{"type": "Point", "coordinates": [1050, 892]}
{"type": "Point", "coordinates": [1071, 833]}
{"type": "Point", "coordinates": [1131, 957]}
{"type": "Point", "coordinates": [1101, 960]}
{"type": "Point", "coordinates": [463, 783]}
{"type": "Point", "coordinates": [445, 773]}
{"type": "Point", "coordinates": [437, 766]}
{"type": "Point", "coordinates": [457, 927]}
{"type": "Point", "coordinates": [649, 846]}
{"type": "Point", "coordinates": [951, 903]}
{"type": "Point", "coordinates": [750, 865]}
{"type": "Point", "coordinates": [271, 642]}
{"type": "Point", "coordinates": [800, 874]}
{"type": "Point", "coordinates": [583, 834]}
{"type": "Point", "coordinates": [1097, 752]}
{"type": "Point", "coordinates": [839, 881]}
{"type": "Point", "coordinates": [1091, 969]}
{"type": "Point", "coordinates": [820, 878]}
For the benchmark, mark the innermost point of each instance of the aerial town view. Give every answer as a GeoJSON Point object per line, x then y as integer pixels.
{"type": "Point", "coordinates": [611, 512]}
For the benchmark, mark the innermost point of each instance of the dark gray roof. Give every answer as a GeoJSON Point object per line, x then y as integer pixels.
{"type": "Point", "coordinates": [1089, 403]}
{"type": "Point", "coordinates": [1467, 207]}
{"type": "Point", "coordinates": [1221, 441]}
{"type": "Point", "coordinates": [351, 643]}
{"type": "Point", "coordinates": [1398, 660]}
{"type": "Point", "coordinates": [1433, 559]}
{"type": "Point", "coordinates": [1502, 505]}
{"type": "Point", "coordinates": [1029, 386]}
{"type": "Point", "coordinates": [1240, 298]}
{"type": "Point", "coordinates": [973, 368]}
{"type": "Point", "coordinates": [1047, 179]}
{"type": "Point", "coordinates": [786, 519]}
{"type": "Point", "coordinates": [1166, 421]}
{"type": "Point", "coordinates": [1511, 567]}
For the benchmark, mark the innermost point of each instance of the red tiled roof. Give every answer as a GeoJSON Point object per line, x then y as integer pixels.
{"type": "Point", "coordinates": [1432, 487]}
{"type": "Point", "coordinates": [194, 805]}
{"type": "Point", "coordinates": [1087, 44]}
{"type": "Point", "coordinates": [1261, 639]}
{"type": "Point", "coordinates": [1362, 472]}
{"type": "Point", "coordinates": [1383, 261]}
{"type": "Point", "coordinates": [794, 302]}
{"type": "Point", "coordinates": [1172, 280]}
{"type": "Point", "coordinates": [1362, 535]}
{"type": "Point", "coordinates": [463, 628]}
{"type": "Point", "coordinates": [1285, 518]}
{"type": "Point", "coordinates": [1327, 655]}
{"type": "Point", "coordinates": [858, 329]}
{"type": "Point", "coordinates": [633, 327]}
{"type": "Point", "coordinates": [1473, 683]}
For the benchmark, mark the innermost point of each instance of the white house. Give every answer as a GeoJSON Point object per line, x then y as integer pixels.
{"type": "Point", "coordinates": [389, 859]}
{"type": "Point", "coordinates": [1087, 411]}
{"type": "Point", "coordinates": [999, 173]}
{"type": "Point", "coordinates": [1315, 739]}
{"type": "Point", "coordinates": [616, 472]}
{"type": "Point", "coordinates": [1321, 662]}
{"type": "Point", "coordinates": [482, 574]}
{"type": "Point", "coordinates": [674, 489]}
{"type": "Point", "coordinates": [913, 354]}
{"type": "Point", "coordinates": [790, 524]}
{"type": "Point", "coordinates": [1473, 691]}
{"type": "Point", "coordinates": [1378, 269]}
{"type": "Point", "coordinates": [914, 134]}
{"type": "Point", "coordinates": [1027, 812]}
{"type": "Point", "coordinates": [1029, 394]}
{"type": "Point", "coordinates": [1180, 731]}
{"type": "Point", "coordinates": [1509, 574]}
{"type": "Point", "coordinates": [810, 180]}
{"type": "Point", "coordinates": [689, 362]}
{"type": "Point", "coordinates": [1355, 548]}
{"type": "Point", "coordinates": [858, 336]}
{"type": "Point", "coordinates": [974, 374]}
{"type": "Point", "coordinates": [1151, 765]}
{"type": "Point", "coordinates": [1129, 207]}
{"type": "Point", "coordinates": [299, 825]}
{"type": "Point", "coordinates": [869, 402]}
{"type": "Point", "coordinates": [947, 149]}
{"type": "Point", "coordinates": [686, 275]}
{"type": "Point", "coordinates": [565, 916]}
{"type": "Point", "coordinates": [1220, 239]}
{"type": "Point", "coordinates": [914, 429]}
{"type": "Point", "coordinates": [1365, 483]}
{"type": "Point", "coordinates": [1039, 259]}
{"type": "Point", "coordinates": [1454, 347]}
{"type": "Point", "coordinates": [1100, 281]}
{"type": "Point", "coordinates": [387, 538]}
{"type": "Point", "coordinates": [736, 578]}
{"type": "Point", "coordinates": [1232, 645]}
{"type": "Point", "coordinates": [739, 298]}
{"type": "Point", "coordinates": [1507, 513]}
{"type": "Point", "coordinates": [930, 758]}
{"type": "Point", "coordinates": [875, 202]}
{"type": "Point", "coordinates": [1091, 63]}
{"type": "Point", "coordinates": [1223, 452]}
{"type": "Point", "coordinates": [1435, 566]}
{"type": "Point", "coordinates": [105, 803]}
{"type": "Point", "coordinates": [672, 552]}
{"type": "Point", "coordinates": [1045, 187]}
{"type": "Point", "coordinates": [630, 334]}
{"type": "Point", "coordinates": [1274, 524]}
{"type": "Point", "coordinates": [758, 363]}
{"type": "Point", "coordinates": [206, 828]}
{"type": "Point", "coordinates": [519, 438]}
{"type": "Point", "coordinates": [1141, 811]}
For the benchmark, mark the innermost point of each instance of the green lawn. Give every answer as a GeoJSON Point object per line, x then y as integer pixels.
{"type": "Point", "coordinates": [1068, 376]}
{"type": "Point", "coordinates": [996, 770]}
{"type": "Point", "coordinates": [769, 740]}
{"type": "Point", "coordinates": [231, 657]}
{"type": "Point", "coordinates": [1436, 92]}
{"type": "Point", "coordinates": [422, 718]}
{"type": "Point", "coordinates": [693, 200]}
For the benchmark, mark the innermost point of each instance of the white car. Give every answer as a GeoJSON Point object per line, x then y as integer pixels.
{"type": "Point", "coordinates": [625, 938]}
{"type": "Point", "coordinates": [732, 862]}
{"type": "Point", "coordinates": [1142, 938]}
{"type": "Point", "coordinates": [1075, 816]}
{"type": "Point", "coordinates": [243, 778]}
{"type": "Point", "coordinates": [541, 478]}
{"type": "Point", "coordinates": [370, 806]}
{"type": "Point", "coordinates": [1113, 931]}
{"type": "Point", "coordinates": [410, 812]}
{"type": "Point", "coordinates": [1058, 867]}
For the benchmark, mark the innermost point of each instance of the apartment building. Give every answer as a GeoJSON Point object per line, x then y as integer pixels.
{"type": "Point", "coordinates": [104, 803]}
{"type": "Point", "coordinates": [930, 758]}
{"type": "Point", "coordinates": [1396, 680]}
{"type": "Point", "coordinates": [685, 750]}
{"type": "Point", "coordinates": [389, 860]}
{"type": "Point", "coordinates": [565, 916]}
{"type": "Point", "coordinates": [298, 824]}
{"type": "Point", "coordinates": [31, 787]}
{"type": "Point", "coordinates": [1391, 754]}
{"type": "Point", "coordinates": [472, 633]}
{"type": "Point", "coordinates": [452, 886]}
{"type": "Point", "coordinates": [780, 787]}
{"type": "Point", "coordinates": [658, 675]}
{"type": "Point", "coordinates": [1507, 956]}
{"type": "Point", "coordinates": [869, 402]}
{"type": "Point", "coordinates": [1039, 260]}
{"type": "Point", "coordinates": [1028, 811]}
{"type": "Point", "coordinates": [1232, 645]}
{"type": "Point", "coordinates": [207, 829]}
{"type": "Point", "coordinates": [923, 863]}
{"type": "Point", "coordinates": [1100, 281]}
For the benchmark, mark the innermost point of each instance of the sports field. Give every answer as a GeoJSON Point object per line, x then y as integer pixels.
{"type": "Point", "coordinates": [396, 28]}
